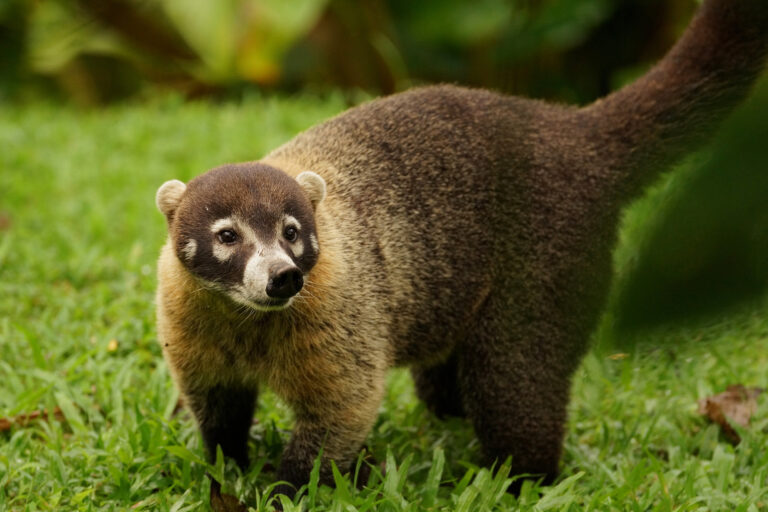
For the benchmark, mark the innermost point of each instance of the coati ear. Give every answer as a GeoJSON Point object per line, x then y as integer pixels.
{"type": "Point", "coordinates": [168, 197]}
{"type": "Point", "coordinates": [313, 185]}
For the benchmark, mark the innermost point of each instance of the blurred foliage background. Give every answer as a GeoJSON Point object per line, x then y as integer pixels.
{"type": "Point", "coordinates": [98, 51]}
{"type": "Point", "coordinates": [697, 242]}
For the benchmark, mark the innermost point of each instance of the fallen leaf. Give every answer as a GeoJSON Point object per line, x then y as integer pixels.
{"type": "Point", "coordinates": [5, 221]}
{"type": "Point", "coordinates": [112, 345]}
{"type": "Point", "coordinates": [22, 420]}
{"type": "Point", "coordinates": [737, 404]}
{"type": "Point", "coordinates": [618, 357]}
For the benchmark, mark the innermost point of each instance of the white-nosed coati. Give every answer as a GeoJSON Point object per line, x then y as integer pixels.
{"type": "Point", "coordinates": [464, 233]}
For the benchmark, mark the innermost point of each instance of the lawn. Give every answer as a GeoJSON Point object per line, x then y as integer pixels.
{"type": "Point", "coordinates": [79, 237]}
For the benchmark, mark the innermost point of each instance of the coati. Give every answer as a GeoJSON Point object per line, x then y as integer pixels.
{"type": "Point", "coordinates": [460, 232]}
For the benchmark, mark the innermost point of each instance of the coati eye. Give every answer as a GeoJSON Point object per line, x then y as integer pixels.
{"type": "Point", "coordinates": [291, 233]}
{"type": "Point", "coordinates": [227, 236]}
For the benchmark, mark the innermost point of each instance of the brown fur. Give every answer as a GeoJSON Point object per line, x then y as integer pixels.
{"type": "Point", "coordinates": [465, 234]}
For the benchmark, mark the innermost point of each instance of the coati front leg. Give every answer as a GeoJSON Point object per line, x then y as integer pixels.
{"type": "Point", "coordinates": [333, 415]}
{"type": "Point", "coordinates": [224, 414]}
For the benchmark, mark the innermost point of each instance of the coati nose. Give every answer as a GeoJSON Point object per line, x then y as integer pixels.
{"type": "Point", "coordinates": [285, 283]}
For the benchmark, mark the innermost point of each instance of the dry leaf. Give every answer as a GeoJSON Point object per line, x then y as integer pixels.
{"type": "Point", "coordinates": [23, 420]}
{"type": "Point", "coordinates": [5, 221]}
{"type": "Point", "coordinates": [224, 502]}
{"type": "Point", "coordinates": [737, 404]}
{"type": "Point", "coordinates": [618, 357]}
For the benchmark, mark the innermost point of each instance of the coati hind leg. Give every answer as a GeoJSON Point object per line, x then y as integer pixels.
{"type": "Point", "coordinates": [515, 377]}
{"type": "Point", "coordinates": [438, 387]}
{"type": "Point", "coordinates": [225, 414]}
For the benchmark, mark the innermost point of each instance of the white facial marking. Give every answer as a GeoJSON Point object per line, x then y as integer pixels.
{"type": "Point", "coordinates": [297, 248]}
{"type": "Point", "coordinates": [226, 222]}
{"type": "Point", "coordinates": [253, 290]}
{"type": "Point", "coordinates": [240, 297]}
{"type": "Point", "coordinates": [313, 243]}
{"type": "Point", "coordinates": [290, 220]}
{"type": "Point", "coordinates": [190, 249]}
{"type": "Point", "coordinates": [256, 274]}
{"type": "Point", "coordinates": [223, 252]}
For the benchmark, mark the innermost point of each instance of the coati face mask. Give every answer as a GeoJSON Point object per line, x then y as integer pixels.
{"type": "Point", "coordinates": [246, 230]}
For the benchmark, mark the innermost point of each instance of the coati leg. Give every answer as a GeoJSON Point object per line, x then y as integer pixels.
{"type": "Point", "coordinates": [438, 387]}
{"type": "Point", "coordinates": [299, 457]}
{"type": "Point", "coordinates": [515, 379]}
{"type": "Point", "coordinates": [338, 443]}
{"type": "Point", "coordinates": [333, 416]}
{"type": "Point", "coordinates": [225, 414]}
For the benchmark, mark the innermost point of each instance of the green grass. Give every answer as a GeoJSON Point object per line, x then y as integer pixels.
{"type": "Point", "coordinates": [77, 261]}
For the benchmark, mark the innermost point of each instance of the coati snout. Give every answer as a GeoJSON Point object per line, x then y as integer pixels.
{"type": "Point", "coordinates": [247, 231]}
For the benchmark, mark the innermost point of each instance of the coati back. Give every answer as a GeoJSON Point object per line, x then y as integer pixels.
{"type": "Point", "coordinates": [464, 233]}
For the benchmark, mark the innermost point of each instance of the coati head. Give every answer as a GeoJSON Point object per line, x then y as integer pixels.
{"type": "Point", "coordinates": [246, 230]}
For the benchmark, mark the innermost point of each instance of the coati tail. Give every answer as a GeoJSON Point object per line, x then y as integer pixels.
{"type": "Point", "coordinates": [648, 125]}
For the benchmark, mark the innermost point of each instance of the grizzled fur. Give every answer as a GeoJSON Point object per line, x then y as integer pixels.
{"type": "Point", "coordinates": [465, 234]}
